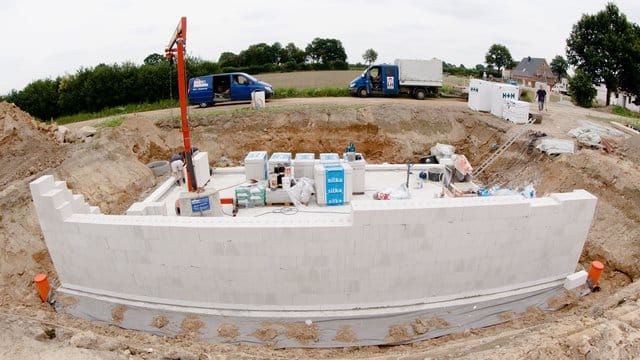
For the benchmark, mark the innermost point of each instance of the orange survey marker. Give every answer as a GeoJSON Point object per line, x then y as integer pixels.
{"type": "Point", "coordinates": [594, 273]}
{"type": "Point", "coordinates": [42, 284]}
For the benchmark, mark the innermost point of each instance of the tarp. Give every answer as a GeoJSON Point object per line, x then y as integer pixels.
{"type": "Point", "coordinates": [586, 136]}
{"type": "Point", "coordinates": [600, 128]}
{"type": "Point", "coordinates": [556, 146]}
{"type": "Point", "coordinates": [590, 133]}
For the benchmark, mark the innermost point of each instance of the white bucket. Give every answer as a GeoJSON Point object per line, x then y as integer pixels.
{"type": "Point", "coordinates": [257, 99]}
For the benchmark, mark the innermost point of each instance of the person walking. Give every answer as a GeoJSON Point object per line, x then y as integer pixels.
{"type": "Point", "coordinates": [541, 94]}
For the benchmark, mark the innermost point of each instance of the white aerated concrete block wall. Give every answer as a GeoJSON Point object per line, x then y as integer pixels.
{"type": "Point", "coordinates": [385, 253]}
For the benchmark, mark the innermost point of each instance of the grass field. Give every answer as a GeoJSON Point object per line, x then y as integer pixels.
{"type": "Point", "coordinates": [333, 78]}
{"type": "Point", "coordinates": [310, 79]}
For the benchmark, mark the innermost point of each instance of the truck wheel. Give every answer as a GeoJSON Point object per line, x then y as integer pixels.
{"type": "Point", "coordinates": [362, 92]}
{"type": "Point", "coordinates": [203, 105]}
{"type": "Point", "coordinates": [420, 94]}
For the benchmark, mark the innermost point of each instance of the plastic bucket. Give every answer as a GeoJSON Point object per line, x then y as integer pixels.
{"type": "Point", "coordinates": [435, 174]}
{"type": "Point", "coordinates": [159, 168]}
{"type": "Point", "coordinates": [42, 285]}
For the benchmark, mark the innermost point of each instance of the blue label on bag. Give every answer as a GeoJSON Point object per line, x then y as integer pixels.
{"type": "Point", "coordinates": [334, 184]}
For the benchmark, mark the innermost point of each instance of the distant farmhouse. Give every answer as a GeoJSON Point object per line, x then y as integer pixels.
{"type": "Point", "coordinates": [531, 70]}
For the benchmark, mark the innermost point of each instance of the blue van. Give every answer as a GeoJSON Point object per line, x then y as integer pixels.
{"type": "Point", "coordinates": [214, 89]}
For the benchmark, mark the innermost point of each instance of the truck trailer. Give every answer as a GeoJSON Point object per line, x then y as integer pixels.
{"type": "Point", "coordinates": [416, 78]}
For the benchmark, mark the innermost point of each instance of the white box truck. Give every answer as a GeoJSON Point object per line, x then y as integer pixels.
{"type": "Point", "coordinates": [414, 77]}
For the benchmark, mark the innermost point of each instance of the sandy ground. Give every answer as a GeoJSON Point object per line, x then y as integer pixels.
{"type": "Point", "coordinates": [110, 170]}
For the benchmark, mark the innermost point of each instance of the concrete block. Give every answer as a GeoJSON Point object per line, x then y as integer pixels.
{"type": "Point", "coordinates": [136, 209]}
{"type": "Point", "coordinates": [575, 280]}
{"type": "Point", "coordinates": [42, 185]}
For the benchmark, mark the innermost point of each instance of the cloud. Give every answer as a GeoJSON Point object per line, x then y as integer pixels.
{"type": "Point", "coordinates": [50, 38]}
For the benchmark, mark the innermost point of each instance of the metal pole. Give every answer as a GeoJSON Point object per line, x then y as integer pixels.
{"type": "Point", "coordinates": [180, 38]}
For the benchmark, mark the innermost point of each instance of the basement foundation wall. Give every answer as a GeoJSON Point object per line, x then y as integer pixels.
{"type": "Point", "coordinates": [384, 259]}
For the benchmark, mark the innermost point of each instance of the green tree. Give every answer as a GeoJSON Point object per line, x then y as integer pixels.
{"type": "Point", "coordinates": [370, 56]}
{"type": "Point", "coordinates": [499, 56]}
{"type": "Point", "coordinates": [38, 98]}
{"type": "Point", "coordinates": [600, 45]}
{"type": "Point", "coordinates": [559, 67]}
{"type": "Point", "coordinates": [630, 74]}
{"type": "Point", "coordinates": [228, 59]}
{"type": "Point", "coordinates": [582, 89]}
{"type": "Point", "coordinates": [154, 59]}
{"type": "Point", "coordinates": [291, 53]}
{"type": "Point", "coordinates": [326, 51]}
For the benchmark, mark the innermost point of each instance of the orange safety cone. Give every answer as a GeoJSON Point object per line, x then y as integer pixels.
{"type": "Point", "coordinates": [594, 273]}
{"type": "Point", "coordinates": [42, 285]}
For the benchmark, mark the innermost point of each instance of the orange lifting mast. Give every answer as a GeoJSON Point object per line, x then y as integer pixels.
{"type": "Point", "coordinates": [176, 48]}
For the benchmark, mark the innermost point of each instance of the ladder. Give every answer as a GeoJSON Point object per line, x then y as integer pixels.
{"type": "Point", "coordinates": [502, 148]}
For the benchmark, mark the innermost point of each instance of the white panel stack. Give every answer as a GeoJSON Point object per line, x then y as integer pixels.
{"type": "Point", "coordinates": [303, 165]}
{"type": "Point", "coordinates": [516, 111]}
{"type": "Point", "coordinates": [255, 165]}
{"type": "Point", "coordinates": [329, 158]}
{"type": "Point", "coordinates": [480, 95]}
{"type": "Point", "coordinates": [334, 184]}
{"type": "Point", "coordinates": [500, 94]}
{"type": "Point", "coordinates": [358, 164]}
{"type": "Point", "coordinates": [279, 158]}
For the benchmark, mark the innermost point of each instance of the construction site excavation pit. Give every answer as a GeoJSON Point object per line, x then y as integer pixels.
{"type": "Point", "coordinates": [201, 299]}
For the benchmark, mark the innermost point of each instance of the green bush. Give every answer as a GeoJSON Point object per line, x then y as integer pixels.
{"type": "Point", "coordinates": [582, 89]}
{"type": "Point", "coordinates": [447, 90]}
{"type": "Point", "coordinates": [619, 110]}
{"type": "Point", "coordinates": [525, 95]}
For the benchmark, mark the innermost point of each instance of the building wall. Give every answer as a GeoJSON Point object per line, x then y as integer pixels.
{"type": "Point", "coordinates": [384, 253]}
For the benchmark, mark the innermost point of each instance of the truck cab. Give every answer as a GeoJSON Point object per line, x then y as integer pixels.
{"type": "Point", "coordinates": [381, 80]}
{"type": "Point", "coordinates": [219, 88]}
{"type": "Point", "coordinates": [416, 78]}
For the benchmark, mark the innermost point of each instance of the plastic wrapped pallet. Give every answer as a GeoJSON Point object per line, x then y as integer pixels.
{"type": "Point", "coordinates": [334, 184]}
{"type": "Point", "coordinates": [516, 111]}
{"type": "Point", "coordinates": [250, 195]}
{"type": "Point", "coordinates": [480, 95]}
{"type": "Point", "coordinates": [501, 93]}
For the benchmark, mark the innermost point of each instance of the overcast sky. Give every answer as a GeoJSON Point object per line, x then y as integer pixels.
{"type": "Point", "coordinates": [46, 39]}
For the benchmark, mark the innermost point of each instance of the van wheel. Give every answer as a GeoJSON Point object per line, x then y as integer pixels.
{"type": "Point", "coordinates": [420, 94]}
{"type": "Point", "coordinates": [203, 105]}
{"type": "Point", "coordinates": [362, 92]}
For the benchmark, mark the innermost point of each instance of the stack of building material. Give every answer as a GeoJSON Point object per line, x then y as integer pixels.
{"type": "Point", "coordinates": [500, 94]}
{"type": "Point", "coordinates": [480, 95]}
{"type": "Point", "coordinates": [516, 111]}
